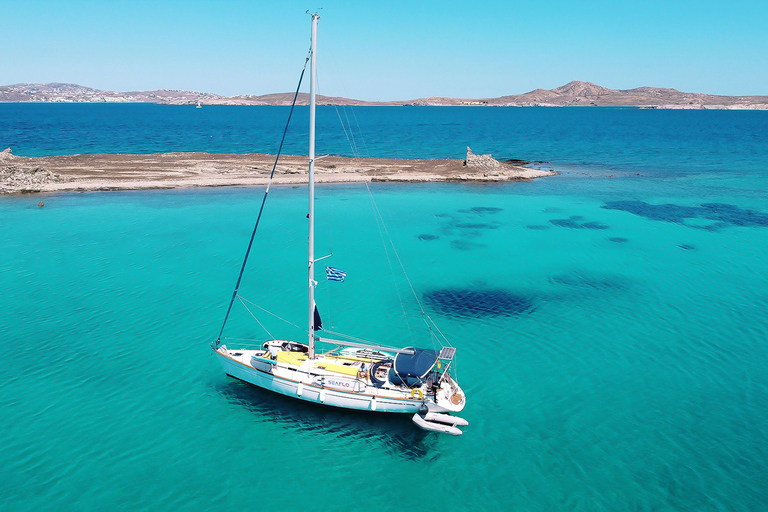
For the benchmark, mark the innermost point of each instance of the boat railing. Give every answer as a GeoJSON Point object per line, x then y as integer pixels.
{"type": "Point", "coordinates": [246, 344]}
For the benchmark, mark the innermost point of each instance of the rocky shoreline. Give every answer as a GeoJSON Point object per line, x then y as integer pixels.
{"type": "Point", "coordinates": [180, 170]}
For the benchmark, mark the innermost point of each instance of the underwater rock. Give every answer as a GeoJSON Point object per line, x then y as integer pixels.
{"type": "Point", "coordinates": [618, 239]}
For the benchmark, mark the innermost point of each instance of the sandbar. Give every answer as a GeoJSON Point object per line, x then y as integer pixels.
{"type": "Point", "coordinates": [180, 170]}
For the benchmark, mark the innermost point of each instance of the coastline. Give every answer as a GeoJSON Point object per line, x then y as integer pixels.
{"type": "Point", "coordinates": [575, 93]}
{"type": "Point", "coordinates": [74, 173]}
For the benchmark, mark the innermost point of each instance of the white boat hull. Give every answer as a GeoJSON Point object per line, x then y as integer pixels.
{"type": "Point", "coordinates": [304, 387]}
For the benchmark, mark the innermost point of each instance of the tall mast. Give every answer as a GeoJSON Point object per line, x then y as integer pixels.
{"type": "Point", "coordinates": [312, 80]}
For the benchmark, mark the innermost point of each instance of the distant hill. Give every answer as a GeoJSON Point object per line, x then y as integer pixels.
{"type": "Point", "coordinates": [587, 93]}
{"type": "Point", "coordinates": [73, 93]}
{"type": "Point", "coordinates": [571, 94]}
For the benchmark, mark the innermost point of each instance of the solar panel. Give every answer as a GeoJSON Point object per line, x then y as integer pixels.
{"type": "Point", "coordinates": [447, 353]}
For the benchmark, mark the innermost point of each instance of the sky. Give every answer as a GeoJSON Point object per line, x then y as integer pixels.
{"type": "Point", "coordinates": [393, 50]}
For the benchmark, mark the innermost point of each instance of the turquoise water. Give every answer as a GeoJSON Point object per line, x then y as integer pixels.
{"type": "Point", "coordinates": [657, 142]}
{"type": "Point", "coordinates": [635, 381]}
{"type": "Point", "coordinates": [612, 343]}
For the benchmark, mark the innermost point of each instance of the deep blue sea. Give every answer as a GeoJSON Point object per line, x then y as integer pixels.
{"type": "Point", "coordinates": [610, 321]}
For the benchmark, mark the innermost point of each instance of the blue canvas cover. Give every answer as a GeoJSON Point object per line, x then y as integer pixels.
{"type": "Point", "coordinates": [415, 365]}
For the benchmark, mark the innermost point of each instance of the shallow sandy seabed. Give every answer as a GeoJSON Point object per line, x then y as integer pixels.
{"type": "Point", "coordinates": [178, 170]}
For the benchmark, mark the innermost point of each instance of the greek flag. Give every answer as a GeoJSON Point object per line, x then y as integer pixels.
{"type": "Point", "coordinates": [335, 274]}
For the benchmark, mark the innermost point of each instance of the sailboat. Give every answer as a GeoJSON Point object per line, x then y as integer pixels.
{"type": "Point", "coordinates": [350, 374]}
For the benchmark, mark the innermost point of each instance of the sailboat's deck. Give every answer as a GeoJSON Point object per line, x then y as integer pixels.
{"type": "Point", "coordinates": [348, 366]}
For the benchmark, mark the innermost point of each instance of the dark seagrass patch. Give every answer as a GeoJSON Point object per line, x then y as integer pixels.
{"type": "Point", "coordinates": [462, 302]}
{"type": "Point", "coordinates": [721, 215]}
{"type": "Point", "coordinates": [465, 245]}
{"type": "Point", "coordinates": [577, 222]}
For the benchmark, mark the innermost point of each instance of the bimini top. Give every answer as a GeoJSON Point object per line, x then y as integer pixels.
{"type": "Point", "coordinates": [417, 364]}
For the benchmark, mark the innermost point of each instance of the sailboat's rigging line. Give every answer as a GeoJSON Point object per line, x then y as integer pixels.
{"type": "Point", "coordinates": [256, 341]}
{"type": "Point", "coordinates": [263, 201]}
{"type": "Point", "coordinates": [347, 128]}
{"type": "Point", "coordinates": [325, 330]}
{"type": "Point", "coordinates": [344, 129]}
{"type": "Point", "coordinates": [352, 338]}
{"type": "Point", "coordinates": [427, 320]}
{"type": "Point", "coordinates": [431, 325]}
{"type": "Point", "coordinates": [349, 135]}
{"type": "Point", "coordinates": [254, 317]}
{"type": "Point", "coordinates": [379, 224]}
{"type": "Point", "coordinates": [434, 330]}
{"type": "Point", "coordinates": [360, 131]}
{"type": "Point", "coordinates": [271, 313]}
{"type": "Point", "coordinates": [355, 150]}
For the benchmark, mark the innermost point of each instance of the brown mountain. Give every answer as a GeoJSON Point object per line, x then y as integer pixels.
{"type": "Point", "coordinates": [571, 94]}
{"type": "Point", "coordinates": [588, 94]}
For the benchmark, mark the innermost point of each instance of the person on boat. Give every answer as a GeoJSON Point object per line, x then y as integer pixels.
{"type": "Point", "coordinates": [433, 384]}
